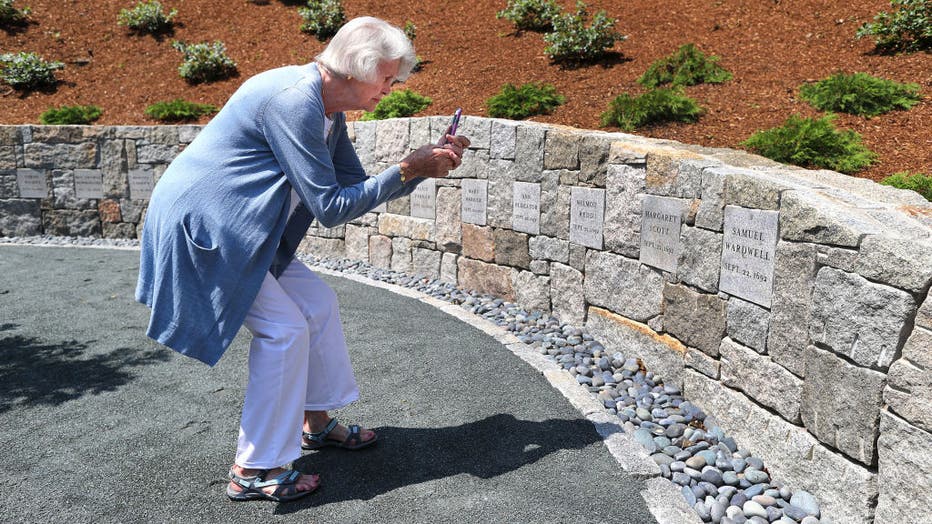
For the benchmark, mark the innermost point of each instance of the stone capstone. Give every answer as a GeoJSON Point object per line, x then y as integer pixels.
{"type": "Point", "coordinates": [503, 138]}
{"type": "Point", "coordinates": [898, 262]}
{"type": "Point", "coordinates": [561, 150]}
{"type": "Point", "coordinates": [391, 140]}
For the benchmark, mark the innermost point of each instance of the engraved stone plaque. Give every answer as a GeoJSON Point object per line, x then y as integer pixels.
{"type": "Point", "coordinates": [587, 208]}
{"type": "Point", "coordinates": [475, 201]}
{"type": "Point", "coordinates": [526, 208]}
{"type": "Point", "coordinates": [141, 183]}
{"type": "Point", "coordinates": [750, 239]}
{"type": "Point", "coordinates": [661, 218]}
{"type": "Point", "coordinates": [32, 183]}
{"type": "Point", "coordinates": [88, 183]}
{"type": "Point", "coordinates": [424, 200]}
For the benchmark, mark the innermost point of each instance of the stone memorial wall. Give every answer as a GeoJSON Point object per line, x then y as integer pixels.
{"type": "Point", "coordinates": [793, 305]}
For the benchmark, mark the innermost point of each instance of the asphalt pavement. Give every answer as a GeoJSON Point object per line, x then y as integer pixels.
{"type": "Point", "coordinates": [100, 424]}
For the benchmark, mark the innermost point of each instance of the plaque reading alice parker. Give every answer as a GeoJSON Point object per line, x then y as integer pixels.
{"type": "Point", "coordinates": [424, 200]}
{"type": "Point", "coordinates": [31, 183]}
{"type": "Point", "coordinates": [749, 243]}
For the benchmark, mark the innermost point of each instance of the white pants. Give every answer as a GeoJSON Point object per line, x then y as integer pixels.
{"type": "Point", "coordinates": [297, 361]}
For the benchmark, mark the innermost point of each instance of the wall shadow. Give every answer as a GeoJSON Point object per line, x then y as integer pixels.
{"type": "Point", "coordinates": [406, 456]}
{"type": "Point", "coordinates": [35, 373]}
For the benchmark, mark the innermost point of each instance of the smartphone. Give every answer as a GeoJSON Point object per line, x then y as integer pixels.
{"type": "Point", "coordinates": [451, 129]}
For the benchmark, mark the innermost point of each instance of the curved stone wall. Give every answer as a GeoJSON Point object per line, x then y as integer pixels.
{"type": "Point", "coordinates": [791, 304]}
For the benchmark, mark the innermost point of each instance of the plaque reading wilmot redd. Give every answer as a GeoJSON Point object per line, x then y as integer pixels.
{"type": "Point", "coordinates": [750, 239]}
{"type": "Point", "coordinates": [587, 208]}
{"type": "Point", "coordinates": [88, 183]}
{"type": "Point", "coordinates": [141, 183]}
{"type": "Point", "coordinates": [525, 216]}
{"type": "Point", "coordinates": [661, 218]}
{"type": "Point", "coordinates": [31, 183]}
{"type": "Point", "coordinates": [475, 201]}
{"type": "Point", "coordinates": [424, 199]}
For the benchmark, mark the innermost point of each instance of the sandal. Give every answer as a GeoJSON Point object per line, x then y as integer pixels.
{"type": "Point", "coordinates": [286, 487]}
{"type": "Point", "coordinates": [320, 440]}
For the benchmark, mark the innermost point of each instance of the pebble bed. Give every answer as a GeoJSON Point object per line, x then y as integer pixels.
{"type": "Point", "coordinates": [723, 483]}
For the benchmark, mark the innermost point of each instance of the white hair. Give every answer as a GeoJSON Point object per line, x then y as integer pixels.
{"type": "Point", "coordinates": [362, 44]}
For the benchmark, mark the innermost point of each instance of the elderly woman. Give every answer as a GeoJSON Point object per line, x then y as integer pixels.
{"type": "Point", "coordinates": [223, 226]}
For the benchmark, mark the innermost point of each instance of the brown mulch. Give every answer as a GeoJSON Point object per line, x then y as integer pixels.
{"type": "Point", "coordinates": [771, 46]}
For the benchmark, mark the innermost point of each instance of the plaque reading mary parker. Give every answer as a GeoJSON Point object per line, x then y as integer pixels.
{"type": "Point", "coordinates": [475, 201]}
{"type": "Point", "coordinates": [749, 243]}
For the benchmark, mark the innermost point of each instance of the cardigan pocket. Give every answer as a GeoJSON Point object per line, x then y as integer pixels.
{"type": "Point", "coordinates": [199, 246]}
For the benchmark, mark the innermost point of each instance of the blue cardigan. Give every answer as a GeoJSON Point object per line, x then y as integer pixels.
{"type": "Point", "coordinates": [218, 212]}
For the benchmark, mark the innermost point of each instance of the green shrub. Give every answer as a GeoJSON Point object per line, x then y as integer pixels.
{"type": "Point", "coordinates": [178, 110]}
{"type": "Point", "coordinates": [907, 28]}
{"type": "Point", "coordinates": [147, 17]}
{"type": "Point", "coordinates": [28, 70]}
{"type": "Point", "coordinates": [656, 106]}
{"type": "Point", "coordinates": [860, 94]}
{"type": "Point", "coordinates": [917, 182]}
{"type": "Point", "coordinates": [812, 142]}
{"type": "Point", "coordinates": [322, 18]}
{"type": "Point", "coordinates": [204, 62]}
{"type": "Point", "coordinates": [10, 15]}
{"type": "Point", "coordinates": [530, 15]}
{"type": "Point", "coordinates": [521, 102]}
{"type": "Point", "coordinates": [410, 30]}
{"type": "Point", "coordinates": [397, 104]}
{"type": "Point", "coordinates": [70, 115]}
{"type": "Point", "coordinates": [688, 66]}
{"type": "Point", "coordinates": [572, 41]}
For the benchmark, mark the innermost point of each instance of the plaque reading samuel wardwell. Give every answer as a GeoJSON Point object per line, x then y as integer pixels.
{"type": "Point", "coordinates": [587, 208]}
{"type": "Point", "coordinates": [475, 200]}
{"type": "Point", "coordinates": [525, 215]}
{"type": "Point", "coordinates": [661, 218]}
{"type": "Point", "coordinates": [750, 239]}
{"type": "Point", "coordinates": [31, 183]}
{"type": "Point", "coordinates": [424, 200]}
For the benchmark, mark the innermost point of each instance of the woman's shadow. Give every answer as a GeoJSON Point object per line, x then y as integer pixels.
{"type": "Point", "coordinates": [407, 456]}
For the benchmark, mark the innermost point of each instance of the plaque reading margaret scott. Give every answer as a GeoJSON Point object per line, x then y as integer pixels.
{"type": "Point", "coordinates": [475, 197]}
{"type": "Point", "coordinates": [424, 200]}
{"type": "Point", "coordinates": [750, 239]}
{"type": "Point", "coordinates": [587, 208]}
{"type": "Point", "coordinates": [88, 183]}
{"type": "Point", "coordinates": [32, 183]}
{"type": "Point", "coordinates": [661, 218]}
{"type": "Point", "coordinates": [526, 208]}
{"type": "Point", "coordinates": [141, 183]}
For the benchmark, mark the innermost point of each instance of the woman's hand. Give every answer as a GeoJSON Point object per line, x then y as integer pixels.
{"type": "Point", "coordinates": [435, 161]}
